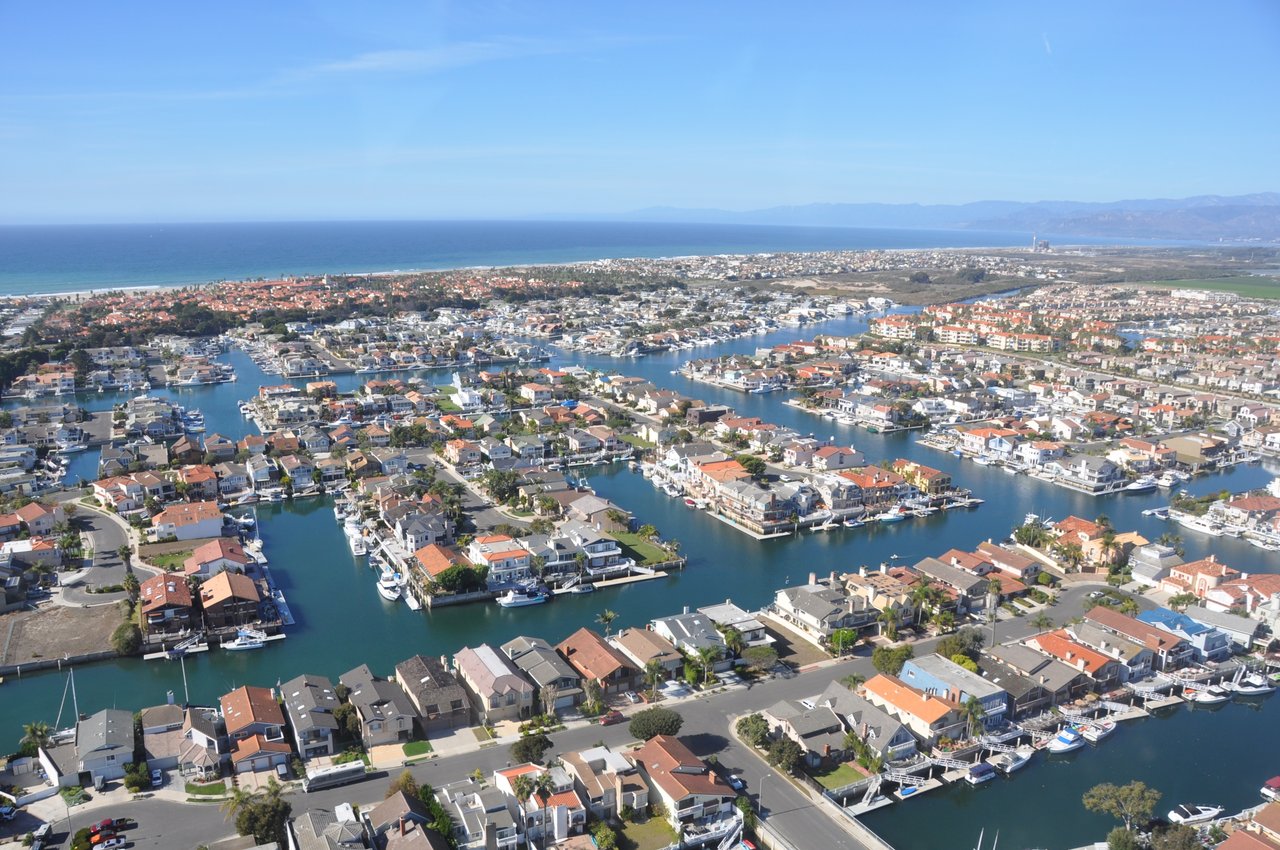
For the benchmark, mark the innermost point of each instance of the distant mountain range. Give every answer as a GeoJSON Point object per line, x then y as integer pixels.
{"type": "Point", "coordinates": [1207, 217]}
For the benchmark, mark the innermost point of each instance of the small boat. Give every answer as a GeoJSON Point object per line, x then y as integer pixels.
{"type": "Point", "coordinates": [983, 461]}
{"type": "Point", "coordinates": [520, 597]}
{"type": "Point", "coordinates": [1067, 740]}
{"type": "Point", "coordinates": [1253, 685]}
{"type": "Point", "coordinates": [1007, 763]}
{"type": "Point", "coordinates": [246, 639]}
{"type": "Point", "coordinates": [389, 586]}
{"type": "Point", "coordinates": [1187, 814]}
{"type": "Point", "coordinates": [584, 587]}
{"type": "Point", "coordinates": [896, 514]}
{"type": "Point", "coordinates": [853, 523]}
{"type": "Point", "coordinates": [1206, 695]}
{"type": "Point", "coordinates": [71, 448]}
{"type": "Point", "coordinates": [1270, 789]}
{"type": "Point", "coordinates": [980, 773]}
{"type": "Point", "coordinates": [1095, 731]}
{"type": "Point", "coordinates": [689, 502]}
{"type": "Point", "coordinates": [1144, 484]}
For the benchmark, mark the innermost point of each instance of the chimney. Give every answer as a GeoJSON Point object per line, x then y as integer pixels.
{"type": "Point", "coordinates": [813, 578]}
{"type": "Point", "coordinates": [832, 578]}
{"type": "Point", "coordinates": [826, 750]}
{"type": "Point", "coordinates": [848, 604]}
{"type": "Point", "coordinates": [862, 570]}
{"type": "Point", "coordinates": [686, 609]}
{"type": "Point", "coordinates": [402, 826]}
{"type": "Point", "coordinates": [884, 567]}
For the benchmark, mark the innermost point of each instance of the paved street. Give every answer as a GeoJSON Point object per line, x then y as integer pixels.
{"type": "Point", "coordinates": [105, 537]}
{"type": "Point", "coordinates": [170, 824]}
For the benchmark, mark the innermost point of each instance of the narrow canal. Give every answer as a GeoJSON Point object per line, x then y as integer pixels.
{"type": "Point", "coordinates": [342, 621]}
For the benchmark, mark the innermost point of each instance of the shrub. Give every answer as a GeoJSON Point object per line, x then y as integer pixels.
{"type": "Point", "coordinates": [531, 748]}
{"type": "Point", "coordinates": [753, 729]}
{"type": "Point", "coordinates": [655, 721]}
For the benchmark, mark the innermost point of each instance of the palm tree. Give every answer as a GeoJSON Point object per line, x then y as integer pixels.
{"type": "Point", "coordinates": [1041, 622]}
{"type": "Point", "coordinates": [523, 789]}
{"type": "Point", "coordinates": [37, 732]}
{"type": "Point", "coordinates": [888, 620]}
{"type": "Point", "coordinates": [125, 552]}
{"type": "Point", "coordinates": [973, 713]}
{"type": "Point", "coordinates": [543, 788]}
{"type": "Point", "coordinates": [606, 618]}
{"type": "Point", "coordinates": [734, 642]}
{"type": "Point", "coordinates": [654, 673]}
{"type": "Point", "coordinates": [707, 658]}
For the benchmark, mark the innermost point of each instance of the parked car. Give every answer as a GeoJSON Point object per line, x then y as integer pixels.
{"type": "Point", "coordinates": [737, 783]}
{"type": "Point", "coordinates": [612, 718]}
{"type": "Point", "coordinates": [113, 843]}
{"type": "Point", "coordinates": [98, 838]}
{"type": "Point", "coordinates": [42, 831]}
{"type": "Point", "coordinates": [101, 825]}
{"type": "Point", "coordinates": [157, 777]}
{"type": "Point", "coordinates": [632, 697]}
{"type": "Point", "coordinates": [8, 813]}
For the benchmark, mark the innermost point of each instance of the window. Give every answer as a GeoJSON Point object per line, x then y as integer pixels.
{"type": "Point", "coordinates": [495, 701]}
{"type": "Point", "coordinates": [511, 698]}
{"type": "Point", "coordinates": [456, 705]}
{"type": "Point", "coordinates": [433, 709]}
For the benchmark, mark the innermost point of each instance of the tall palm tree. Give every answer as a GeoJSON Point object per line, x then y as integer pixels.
{"type": "Point", "coordinates": [888, 620]}
{"type": "Point", "coordinates": [543, 788]}
{"type": "Point", "coordinates": [606, 618]}
{"type": "Point", "coordinates": [973, 713]}
{"type": "Point", "coordinates": [654, 673]}
{"type": "Point", "coordinates": [1041, 622]}
{"type": "Point", "coordinates": [523, 789]}
{"type": "Point", "coordinates": [707, 658]}
{"type": "Point", "coordinates": [734, 642]}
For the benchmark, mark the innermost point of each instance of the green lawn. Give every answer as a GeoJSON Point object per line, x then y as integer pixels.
{"type": "Point", "coordinates": [170, 560]}
{"type": "Point", "coordinates": [481, 733]}
{"type": "Point", "coordinates": [1247, 286]}
{"type": "Point", "coordinates": [653, 834]}
{"type": "Point", "coordinates": [447, 406]}
{"type": "Point", "coordinates": [417, 748]}
{"type": "Point", "coordinates": [446, 389]}
{"type": "Point", "coordinates": [633, 440]}
{"type": "Point", "coordinates": [836, 777]}
{"type": "Point", "coordinates": [212, 789]}
{"type": "Point", "coordinates": [635, 546]}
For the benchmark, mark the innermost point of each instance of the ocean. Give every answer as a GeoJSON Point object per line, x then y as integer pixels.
{"type": "Point", "coordinates": [70, 258]}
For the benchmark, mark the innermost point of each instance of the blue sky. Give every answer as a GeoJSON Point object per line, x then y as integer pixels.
{"type": "Point", "coordinates": [144, 111]}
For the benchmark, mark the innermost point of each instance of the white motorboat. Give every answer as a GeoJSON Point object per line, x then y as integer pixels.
{"type": "Point", "coordinates": [1096, 730]}
{"type": "Point", "coordinates": [520, 597]}
{"type": "Point", "coordinates": [979, 773]}
{"type": "Point", "coordinates": [1007, 763]}
{"type": "Point", "coordinates": [1206, 694]}
{"type": "Point", "coordinates": [389, 585]}
{"type": "Point", "coordinates": [71, 448]}
{"type": "Point", "coordinates": [1188, 814]}
{"type": "Point", "coordinates": [1251, 685]}
{"type": "Point", "coordinates": [1144, 484]}
{"type": "Point", "coordinates": [246, 639]}
{"type": "Point", "coordinates": [1200, 524]}
{"type": "Point", "coordinates": [582, 588]}
{"type": "Point", "coordinates": [1067, 740]}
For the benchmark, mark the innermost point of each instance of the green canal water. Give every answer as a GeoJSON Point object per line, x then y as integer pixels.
{"type": "Point", "coordinates": [342, 622]}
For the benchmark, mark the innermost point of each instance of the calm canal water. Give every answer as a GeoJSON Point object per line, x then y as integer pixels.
{"type": "Point", "coordinates": [342, 621]}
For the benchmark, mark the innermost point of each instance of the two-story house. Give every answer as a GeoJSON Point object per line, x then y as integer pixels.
{"type": "Point", "coordinates": [310, 702]}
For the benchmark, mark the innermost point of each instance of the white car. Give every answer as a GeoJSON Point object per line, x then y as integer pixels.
{"type": "Point", "coordinates": [110, 843]}
{"type": "Point", "coordinates": [632, 697]}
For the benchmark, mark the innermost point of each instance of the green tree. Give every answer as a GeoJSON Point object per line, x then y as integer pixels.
{"type": "Point", "coordinates": [126, 639]}
{"type": "Point", "coordinates": [1130, 804]}
{"type": "Point", "coordinates": [761, 658]}
{"type": "Point", "coordinates": [707, 658]}
{"type": "Point", "coordinates": [843, 640]}
{"type": "Point", "coordinates": [1122, 839]}
{"type": "Point", "coordinates": [655, 721]}
{"type": "Point", "coordinates": [348, 721]}
{"type": "Point", "coordinates": [734, 642]}
{"type": "Point", "coordinates": [753, 729]}
{"type": "Point", "coordinates": [752, 464]}
{"type": "Point", "coordinates": [748, 813]}
{"type": "Point", "coordinates": [131, 585]}
{"type": "Point", "coordinates": [1041, 622]}
{"type": "Point", "coordinates": [36, 734]}
{"type": "Point", "coordinates": [966, 662]}
{"type": "Point", "coordinates": [785, 754]}
{"type": "Point", "coordinates": [1177, 836]}
{"type": "Point", "coordinates": [654, 673]}
{"type": "Point", "coordinates": [972, 712]}
{"type": "Point", "coordinates": [1181, 601]}
{"type": "Point", "coordinates": [404, 782]}
{"type": "Point", "coordinates": [263, 814]}
{"type": "Point", "coordinates": [531, 748]}
{"type": "Point", "coordinates": [889, 660]}
{"type": "Point", "coordinates": [888, 620]}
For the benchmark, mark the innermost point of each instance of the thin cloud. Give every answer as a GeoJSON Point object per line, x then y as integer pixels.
{"type": "Point", "coordinates": [1048, 48]}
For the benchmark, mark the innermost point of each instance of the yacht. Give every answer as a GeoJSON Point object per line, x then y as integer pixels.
{"type": "Point", "coordinates": [1007, 763]}
{"type": "Point", "coordinates": [1145, 484]}
{"type": "Point", "coordinates": [894, 514]}
{"type": "Point", "coordinates": [1166, 481]}
{"type": "Point", "coordinates": [1067, 740]}
{"type": "Point", "coordinates": [1188, 815]}
{"type": "Point", "coordinates": [389, 586]}
{"type": "Point", "coordinates": [979, 773]}
{"type": "Point", "coordinates": [583, 587]}
{"type": "Point", "coordinates": [246, 639]}
{"type": "Point", "coordinates": [1097, 730]}
{"type": "Point", "coordinates": [1200, 524]}
{"type": "Point", "coordinates": [1251, 685]}
{"type": "Point", "coordinates": [71, 448]}
{"type": "Point", "coordinates": [520, 597]}
{"type": "Point", "coordinates": [1206, 695]}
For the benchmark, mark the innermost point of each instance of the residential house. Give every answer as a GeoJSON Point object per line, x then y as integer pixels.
{"type": "Point", "coordinates": [555, 678]}
{"type": "Point", "coordinates": [508, 561]}
{"type": "Point", "coordinates": [165, 601]}
{"type": "Point", "coordinates": [819, 609]}
{"type": "Point", "coordinates": [597, 661]}
{"type": "Point", "coordinates": [1049, 681]}
{"type": "Point", "coordinates": [496, 686]}
{"type": "Point", "coordinates": [310, 702]}
{"type": "Point", "coordinates": [1103, 670]}
{"type": "Point", "coordinates": [190, 521]}
{"type": "Point", "coordinates": [229, 599]}
{"type": "Point", "coordinates": [1207, 643]}
{"type": "Point", "coordinates": [481, 817]}
{"type": "Point", "coordinates": [929, 717]}
{"type": "Point", "coordinates": [607, 781]}
{"type": "Point", "coordinates": [1197, 577]}
{"type": "Point", "coordinates": [216, 556]}
{"type": "Point", "coordinates": [1137, 661]}
{"type": "Point", "coordinates": [546, 820]}
{"type": "Point", "coordinates": [886, 737]}
{"type": "Point", "coordinates": [255, 728]}
{"type": "Point", "coordinates": [726, 615]}
{"type": "Point", "coordinates": [104, 743]}
{"type": "Point", "coordinates": [162, 738]}
{"type": "Point", "coordinates": [439, 698]}
{"type": "Point", "coordinates": [817, 729]}
{"type": "Point", "coordinates": [642, 646]}
{"type": "Point", "coordinates": [944, 678]}
{"type": "Point", "coordinates": [387, 715]}
{"type": "Point", "coordinates": [694, 633]}
{"type": "Point", "coordinates": [690, 791]}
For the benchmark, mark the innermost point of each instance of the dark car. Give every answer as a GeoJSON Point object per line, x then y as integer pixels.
{"type": "Point", "coordinates": [612, 718]}
{"type": "Point", "coordinates": [101, 825]}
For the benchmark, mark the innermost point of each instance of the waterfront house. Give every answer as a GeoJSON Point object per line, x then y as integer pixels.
{"type": "Point", "coordinates": [554, 678]}
{"type": "Point", "coordinates": [190, 521]}
{"type": "Point", "coordinates": [641, 646]}
{"type": "Point", "coordinates": [1015, 564]}
{"type": "Point", "coordinates": [607, 781]}
{"type": "Point", "coordinates": [310, 702]}
{"type": "Point", "coordinates": [818, 609]}
{"type": "Point", "coordinates": [1137, 661]}
{"type": "Point", "coordinates": [1054, 681]}
{"type": "Point", "coordinates": [233, 478]}
{"type": "Point", "coordinates": [255, 728]}
{"type": "Point", "coordinates": [1088, 472]}
{"type": "Point", "coordinates": [480, 814]}
{"type": "Point", "coordinates": [1243, 633]}
{"type": "Point", "coordinates": [1104, 671]}
{"type": "Point", "coordinates": [1169, 651]}
{"type": "Point", "coordinates": [690, 791]}
{"type": "Point", "coordinates": [440, 700]}
{"type": "Point", "coordinates": [1207, 644]}
{"type": "Point", "coordinates": [970, 590]}
{"type": "Point", "coordinates": [726, 615]}
{"type": "Point", "coordinates": [418, 529]}
{"type": "Point", "coordinates": [387, 715]}
{"type": "Point", "coordinates": [694, 633]}
{"type": "Point", "coordinates": [496, 687]}
{"type": "Point", "coordinates": [597, 661]}
{"type": "Point", "coordinates": [508, 561]}
{"type": "Point", "coordinates": [883, 734]}
{"type": "Point", "coordinates": [229, 599]}
{"type": "Point", "coordinates": [942, 677]}
{"type": "Point", "coordinates": [203, 747]}
{"type": "Point", "coordinates": [1250, 593]}
{"type": "Point", "coordinates": [165, 601]}
{"type": "Point", "coordinates": [928, 717]}
{"type": "Point", "coordinates": [298, 469]}
{"type": "Point", "coordinates": [883, 592]}
{"type": "Point", "coordinates": [200, 481]}
{"type": "Point", "coordinates": [209, 559]}
{"type": "Point", "coordinates": [546, 820]}
{"type": "Point", "coordinates": [817, 729]}
{"type": "Point", "coordinates": [104, 744]}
